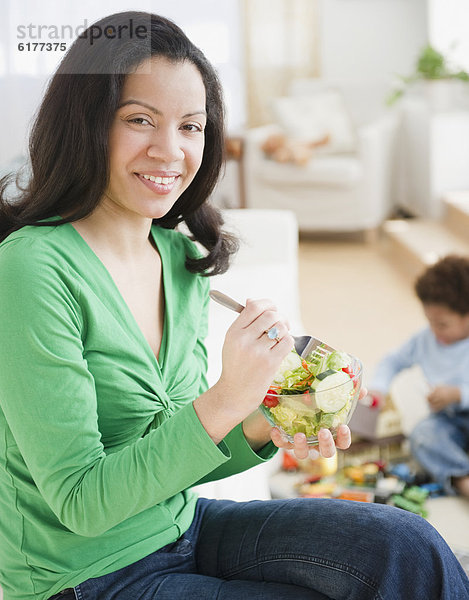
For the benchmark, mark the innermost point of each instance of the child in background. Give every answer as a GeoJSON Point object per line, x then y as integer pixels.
{"type": "Point", "coordinates": [440, 442]}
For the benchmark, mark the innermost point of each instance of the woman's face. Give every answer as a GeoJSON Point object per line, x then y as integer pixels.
{"type": "Point", "coordinates": [157, 138]}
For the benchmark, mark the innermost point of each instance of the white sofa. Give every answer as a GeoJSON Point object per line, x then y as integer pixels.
{"type": "Point", "coordinates": [265, 266]}
{"type": "Point", "coordinates": [346, 185]}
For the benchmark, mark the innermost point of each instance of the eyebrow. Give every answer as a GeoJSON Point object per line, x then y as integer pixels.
{"type": "Point", "coordinates": [158, 112]}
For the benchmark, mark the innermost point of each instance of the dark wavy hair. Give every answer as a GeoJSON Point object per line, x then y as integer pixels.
{"type": "Point", "coordinates": [68, 148]}
{"type": "Point", "coordinates": [446, 283]}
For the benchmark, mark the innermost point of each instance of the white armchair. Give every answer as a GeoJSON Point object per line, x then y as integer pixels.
{"type": "Point", "coordinates": [347, 184]}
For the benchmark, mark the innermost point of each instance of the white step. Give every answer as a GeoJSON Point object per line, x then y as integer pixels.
{"type": "Point", "coordinates": [457, 213]}
{"type": "Point", "coordinates": [418, 243]}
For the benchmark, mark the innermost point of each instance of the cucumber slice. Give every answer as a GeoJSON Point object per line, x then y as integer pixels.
{"type": "Point", "coordinates": [333, 390]}
{"type": "Point", "coordinates": [325, 374]}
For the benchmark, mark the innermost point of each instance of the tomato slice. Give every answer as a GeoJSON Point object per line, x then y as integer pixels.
{"type": "Point", "coordinates": [271, 399]}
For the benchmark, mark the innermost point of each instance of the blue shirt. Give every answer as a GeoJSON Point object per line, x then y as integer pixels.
{"type": "Point", "coordinates": [442, 364]}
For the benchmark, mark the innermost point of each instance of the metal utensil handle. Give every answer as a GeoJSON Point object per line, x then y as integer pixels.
{"type": "Point", "coordinates": [225, 300]}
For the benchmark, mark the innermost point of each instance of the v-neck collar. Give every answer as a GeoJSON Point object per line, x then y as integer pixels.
{"type": "Point", "coordinates": [161, 360]}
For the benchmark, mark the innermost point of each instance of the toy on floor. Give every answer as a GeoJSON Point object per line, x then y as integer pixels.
{"type": "Point", "coordinates": [412, 499]}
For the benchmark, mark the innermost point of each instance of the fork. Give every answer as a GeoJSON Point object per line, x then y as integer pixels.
{"type": "Point", "coordinates": [306, 346]}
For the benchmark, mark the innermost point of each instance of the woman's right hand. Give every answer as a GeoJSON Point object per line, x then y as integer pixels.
{"type": "Point", "coordinates": [250, 360]}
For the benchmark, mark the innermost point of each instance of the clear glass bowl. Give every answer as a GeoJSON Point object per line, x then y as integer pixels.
{"type": "Point", "coordinates": [308, 412]}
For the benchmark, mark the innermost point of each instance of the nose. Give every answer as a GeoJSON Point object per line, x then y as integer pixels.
{"type": "Point", "coordinates": [165, 146]}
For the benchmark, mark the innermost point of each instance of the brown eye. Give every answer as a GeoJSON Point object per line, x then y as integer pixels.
{"type": "Point", "coordinates": [139, 121]}
{"type": "Point", "coordinates": [193, 127]}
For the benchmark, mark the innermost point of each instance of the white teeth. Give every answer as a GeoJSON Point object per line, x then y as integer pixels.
{"type": "Point", "coordinates": [163, 180]}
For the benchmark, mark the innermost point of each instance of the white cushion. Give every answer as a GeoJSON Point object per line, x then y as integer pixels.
{"type": "Point", "coordinates": [310, 118]}
{"type": "Point", "coordinates": [337, 170]}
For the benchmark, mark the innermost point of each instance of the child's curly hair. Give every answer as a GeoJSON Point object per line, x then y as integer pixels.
{"type": "Point", "coordinates": [446, 283]}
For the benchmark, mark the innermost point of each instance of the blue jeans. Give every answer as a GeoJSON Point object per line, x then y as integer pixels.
{"type": "Point", "coordinates": [440, 443]}
{"type": "Point", "coordinates": [293, 549]}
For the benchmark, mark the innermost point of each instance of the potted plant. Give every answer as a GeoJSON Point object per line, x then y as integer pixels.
{"type": "Point", "coordinates": [432, 70]}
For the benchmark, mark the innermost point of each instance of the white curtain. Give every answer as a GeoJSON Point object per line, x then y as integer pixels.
{"type": "Point", "coordinates": [281, 41]}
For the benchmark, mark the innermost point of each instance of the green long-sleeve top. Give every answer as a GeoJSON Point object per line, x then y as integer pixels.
{"type": "Point", "coordinates": [99, 440]}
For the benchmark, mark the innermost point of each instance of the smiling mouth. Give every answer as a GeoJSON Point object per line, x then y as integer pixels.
{"type": "Point", "coordinates": [159, 184]}
{"type": "Point", "coordinates": [155, 179]}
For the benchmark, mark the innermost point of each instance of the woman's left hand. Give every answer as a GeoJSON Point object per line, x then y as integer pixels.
{"type": "Point", "coordinates": [326, 444]}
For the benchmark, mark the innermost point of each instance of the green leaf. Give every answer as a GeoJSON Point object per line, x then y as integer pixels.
{"type": "Point", "coordinates": [394, 97]}
{"type": "Point", "coordinates": [431, 64]}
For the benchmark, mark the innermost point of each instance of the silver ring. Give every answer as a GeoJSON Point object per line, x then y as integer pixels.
{"type": "Point", "coordinates": [272, 334]}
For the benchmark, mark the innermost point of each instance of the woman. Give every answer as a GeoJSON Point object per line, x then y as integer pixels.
{"type": "Point", "coordinates": [106, 418]}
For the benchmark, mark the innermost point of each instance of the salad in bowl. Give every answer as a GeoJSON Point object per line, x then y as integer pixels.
{"type": "Point", "coordinates": [313, 393]}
